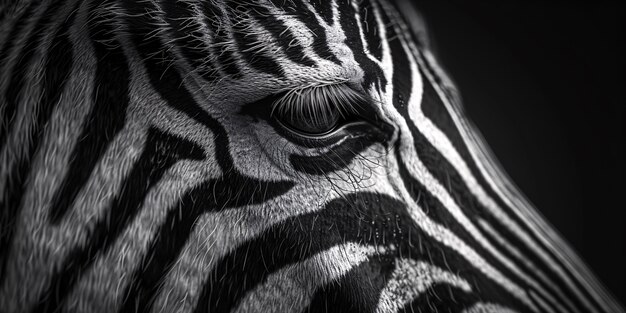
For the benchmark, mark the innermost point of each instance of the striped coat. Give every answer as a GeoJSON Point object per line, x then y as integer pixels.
{"type": "Point", "coordinates": [255, 156]}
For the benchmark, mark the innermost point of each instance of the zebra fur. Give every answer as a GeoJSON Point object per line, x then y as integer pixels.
{"type": "Point", "coordinates": [143, 171]}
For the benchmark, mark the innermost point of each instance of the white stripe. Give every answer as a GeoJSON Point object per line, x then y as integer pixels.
{"type": "Point", "coordinates": [38, 247]}
{"type": "Point", "coordinates": [488, 308]}
{"type": "Point", "coordinates": [575, 266]}
{"type": "Point", "coordinates": [218, 233]}
{"type": "Point", "coordinates": [465, 130]}
{"type": "Point", "coordinates": [418, 170]}
{"type": "Point", "coordinates": [509, 247]}
{"type": "Point", "coordinates": [439, 140]}
{"type": "Point", "coordinates": [366, 50]}
{"type": "Point", "coordinates": [507, 222]}
{"type": "Point", "coordinates": [492, 172]}
{"type": "Point", "coordinates": [301, 33]}
{"type": "Point", "coordinates": [292, 288]}
{"type": "Point", "coordinates": [410, 279]}
{"type": "Point", "coordinates": [544, 306]}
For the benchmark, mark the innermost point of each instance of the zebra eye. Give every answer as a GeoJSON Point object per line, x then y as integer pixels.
{"type": "Point", "coordinates": [308, 122]}
{"type": "Point", "coordinates": [316, 111]}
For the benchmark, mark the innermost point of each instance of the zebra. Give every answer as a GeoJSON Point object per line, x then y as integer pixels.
{"type": "Point", "coordinates": [255, 156]}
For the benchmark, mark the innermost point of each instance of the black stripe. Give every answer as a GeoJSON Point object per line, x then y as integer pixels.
{"type": "Point", "coordinates": [325, 9]}
{"type": "Point", "coordinates": [18, 74]}
{"type": "Point", "coordinates": [445, 173]}
{"type": "Point", "coordinates": [161, 152]}
{"type": "Point", "coordinates": [436, 164]}
{"type": "Point", "coordinates": [231, 190]}
{"type": "Point", "coordinates": [248, 43]}
{"type": "Point", "coordinates": [439, 214]}
{"type": "Point", "coordinates": [168, 82]}
{"type": "Point", "coordinates": [373, 73]}
{"type": "Point", "coordinates": [56, 72]}
{"type": "Point", "coordinates": [434, 110]}
{"type": "Point", "coordinates": [187, 36]}
{"type": "Point", "coordinates": [8, 213]}
{"type": "Point", "coordinates": [281, 34]}
{"type": "Point", "coordinates": [10, 41]}
{"type": "Point", "coordinates": [370, 28]}
{"type": "Point", "coordinates": [355, 218]}
{"type": "Point", "coordinates": [166, 245]}
{"type": "Point", "coordinates": [546, 302]}
{"type": "Point", "coordinates": [105, 120]}
{"type": "Point", "coordinates": [437, 113]}
{"type": "Point", "coordinates": [363, 218]}
{"type": "Point", "coordinates": [356, 291]}
{"type": "Point", "coordinates": [213, 195]}
{"type": "Point", "coordinates": [441, 298]}
{"type": "Point", "coordinates": [320, 40]}
{"type": "Point", "coordinates": [224, 55]}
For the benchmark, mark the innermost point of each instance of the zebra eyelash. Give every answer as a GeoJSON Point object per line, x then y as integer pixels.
{"type": "Point", "coordinates": [320, 103]}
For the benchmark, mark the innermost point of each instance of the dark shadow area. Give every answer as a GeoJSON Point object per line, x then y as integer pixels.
{"type": "Point", "coordinates": [544, 82]}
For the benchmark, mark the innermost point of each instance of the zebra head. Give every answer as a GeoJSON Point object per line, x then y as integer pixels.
{"type": "Point", "coordinates": [255, 156]}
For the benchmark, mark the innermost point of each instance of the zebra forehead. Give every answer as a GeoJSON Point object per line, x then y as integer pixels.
{"type": "Point", "coordinates": [270, 44]}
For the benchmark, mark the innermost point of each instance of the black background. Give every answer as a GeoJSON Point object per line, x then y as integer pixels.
{"type": "Point", "coordinates": [544, 82]}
